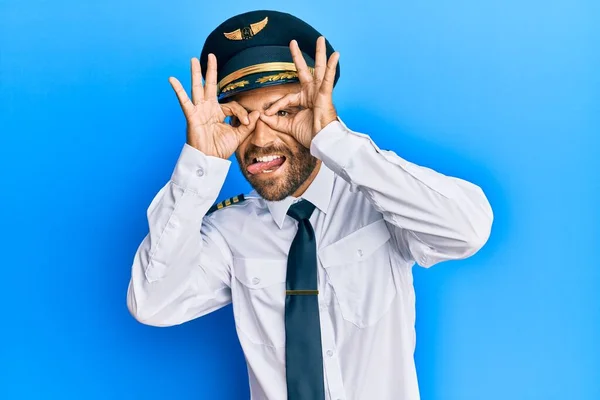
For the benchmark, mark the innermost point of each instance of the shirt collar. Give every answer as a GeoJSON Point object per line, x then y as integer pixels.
{"type": "Point", "coordinates": [318, 193]}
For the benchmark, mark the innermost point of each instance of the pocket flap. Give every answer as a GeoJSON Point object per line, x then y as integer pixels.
{"type": "Point", "coordinates": [257, 273]}
{"type": "Point", "coordinates": [356, 246]}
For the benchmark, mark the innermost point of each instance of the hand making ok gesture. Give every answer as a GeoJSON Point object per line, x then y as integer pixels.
{"type": "Point", "coordinates": [313, 103]}
{"type": "Point", "coordinates": [207, 130]}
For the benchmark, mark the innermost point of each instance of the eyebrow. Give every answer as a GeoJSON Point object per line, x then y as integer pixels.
{"type": "Point", "coordinates": [268, 105]}
{"type": "Point", "coordinates": [265, 107]}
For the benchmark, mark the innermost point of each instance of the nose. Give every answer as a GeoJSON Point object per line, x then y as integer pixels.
{"type": "Point", "coordinates": [263, 135]}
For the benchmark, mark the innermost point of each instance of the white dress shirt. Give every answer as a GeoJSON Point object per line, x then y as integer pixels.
{"type": "Point", "coordinates": [376, 216]}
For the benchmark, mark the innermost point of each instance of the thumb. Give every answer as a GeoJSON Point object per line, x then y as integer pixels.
{"type": "Point", "coordinates": [279, 124]}
{"type": "Point", "coordinates": [244, 130]}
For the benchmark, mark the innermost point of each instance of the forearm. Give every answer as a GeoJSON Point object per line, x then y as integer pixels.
{"type": "Point", "coordinates": [436, 217]}
{"type": "Point", "coordinates": [178, 271]}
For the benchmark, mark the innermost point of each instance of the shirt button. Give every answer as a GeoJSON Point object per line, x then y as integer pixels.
{"type": "Point", "coordinates": [360, 253]}
{"type": "Point", "coordinates": [200, 172]}
{"type": "Point", "coordinates": [255, 281]}
{"type": "Point", "coordinates": [329, 353]}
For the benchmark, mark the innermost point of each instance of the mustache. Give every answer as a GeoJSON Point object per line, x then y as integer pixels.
{"type": "Point", "coordinates": [254, 152]}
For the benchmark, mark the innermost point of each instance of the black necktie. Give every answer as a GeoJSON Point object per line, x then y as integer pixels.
{"type": "Point", "coordinates": [304, 359]}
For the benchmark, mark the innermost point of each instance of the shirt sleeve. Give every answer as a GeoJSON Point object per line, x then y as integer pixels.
{"type": "Point", "coordinates": [433, 217]}
{"type": "Point", "coordinates": [181, 269]}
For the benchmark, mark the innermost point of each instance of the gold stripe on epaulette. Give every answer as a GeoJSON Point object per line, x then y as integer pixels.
{"type": "Point", "coordinates": [235, 199]}
{"type": "Point", "coordinates": [220, 205]}
{"type": "Point", "coordinates": [228, 202]}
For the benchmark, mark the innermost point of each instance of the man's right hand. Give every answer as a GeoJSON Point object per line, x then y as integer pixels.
{"type": "Point", "coordinates": [207, 130]}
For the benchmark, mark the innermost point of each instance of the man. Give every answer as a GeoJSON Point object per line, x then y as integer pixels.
{"type": "Point", "coordinates": [317, 259]}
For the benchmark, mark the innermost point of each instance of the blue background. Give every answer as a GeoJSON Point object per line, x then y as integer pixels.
{"type": "Point", "coordinates": [503, 93]}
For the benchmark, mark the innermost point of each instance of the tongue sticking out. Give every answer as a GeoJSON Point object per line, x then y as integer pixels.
{"type": "Point", "coordinates": [259, 167]}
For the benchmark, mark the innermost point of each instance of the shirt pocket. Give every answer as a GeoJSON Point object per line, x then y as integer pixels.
{"type": "Point", "coordinates": [258, 298]}
{"type": "Point", "coordinates": [359, 268]}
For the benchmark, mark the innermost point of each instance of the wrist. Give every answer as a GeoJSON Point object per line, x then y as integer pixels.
{"type": "Point", "coordinates": [325, 120]}
{"type": "Point", "coordinates": [207, 150]}
{"type": "Point", "coordinates": [329, 119]}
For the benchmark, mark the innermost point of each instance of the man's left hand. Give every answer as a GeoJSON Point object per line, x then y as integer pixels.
{"type": "Point", "coordinates": [303, 114]}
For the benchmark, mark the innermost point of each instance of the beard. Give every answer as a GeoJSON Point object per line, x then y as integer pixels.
{"type": "Point", "coordinates": [299, 165]}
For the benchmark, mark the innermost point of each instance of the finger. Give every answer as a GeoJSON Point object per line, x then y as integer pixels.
{"type": "Point", "coordinates": [184, 100]}
{"type": "Point", "coordinates": [303, 73]}
{"type": "Point", "coordinates": [197, 90]}
{"type": "Point", "coordinates": [320, 59]}
{"type": "Point", "coordinates": [210, 89]}
{"type": "Point", "coordinates": [244, 130]}
{"type": "Point", "coordinates": [279, 124]}
{"type": "Point", "coordinates": [233, 108]}
{"type": "Point", "coordinates": [329, 79]}
{"type": "Point", "coordinates": [291, 99]}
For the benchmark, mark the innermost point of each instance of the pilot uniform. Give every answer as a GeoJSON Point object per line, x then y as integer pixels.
{"type": "Point", "coordinates": [375, 216]}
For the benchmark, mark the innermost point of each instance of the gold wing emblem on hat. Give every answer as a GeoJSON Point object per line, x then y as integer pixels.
{"type": "Point", "coordinates": [248, 31]}
{"type": "Point", "coordinates": [259, 26]}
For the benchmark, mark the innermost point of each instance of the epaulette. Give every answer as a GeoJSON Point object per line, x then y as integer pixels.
{"type": "Point", "coordinates": [225, 203]}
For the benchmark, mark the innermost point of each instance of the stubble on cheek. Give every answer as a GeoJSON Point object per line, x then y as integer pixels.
{"type": "Point", "coordinates": [297, 168]}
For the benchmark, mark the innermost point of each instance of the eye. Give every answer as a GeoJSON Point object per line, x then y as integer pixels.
{"type": "Point", "coordinates": [282, 113]}
{"type": "Point", "coordinates": [234, 121]}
